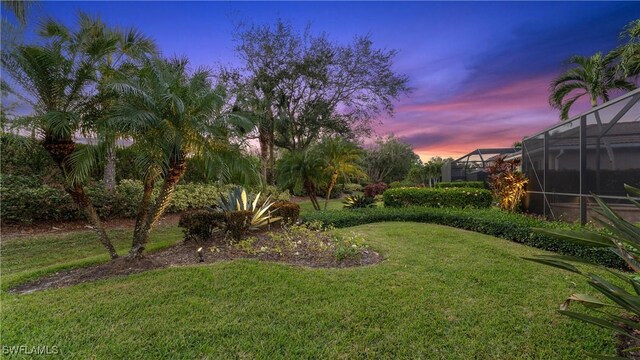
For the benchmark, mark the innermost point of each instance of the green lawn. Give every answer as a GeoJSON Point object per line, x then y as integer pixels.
{"type": "Point", "coordinates": [441, 293]}
{"type": "Point", "coordinates": [334, 204]}
{"type": "Point", "coordinates": [29, 257]}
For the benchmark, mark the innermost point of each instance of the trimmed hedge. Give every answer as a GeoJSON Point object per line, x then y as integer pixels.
{"type": "Point", "coordinates": [509, 226]}
{"type": "Point", "coordinates": [462, 184]}
{"type": "Point", "coordinates": [448, 197]}
{"type": "Point", "coordinates": [21, 203]}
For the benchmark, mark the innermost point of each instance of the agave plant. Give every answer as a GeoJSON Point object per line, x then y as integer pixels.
{"type": "Point", "coordinates": [623, 238]}
{"type": "Point", "coordinates": [237, 199]}
{"type": "Point", "coordinates": [358, 202]}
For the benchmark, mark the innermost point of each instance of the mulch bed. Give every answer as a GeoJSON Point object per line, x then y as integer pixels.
{"type": "Point", "coordinates": [306, 252]}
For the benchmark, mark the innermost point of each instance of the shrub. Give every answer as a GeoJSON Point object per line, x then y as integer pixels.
{"type": "Point", "coordinates": [448, 197]}
{"type": "Point", "coordinates": [238, 223]}
{"type": "Point", "coordinates": [200, 226]}
{"type": "Point", "coordinates": [193, 196]}
{"type": "Point", "coordinates": [287, 210]}
{"type": "Point", "coordinates": [461, 184]}
{"type": "Point", "coordinates": [358, 202]}
{"type": "Point", "coordinates": [510, 226]}
{"type": "Point", "coordinates": [506, 182]}
{"type": "Point", "coordinates": [351, 188]}
{"type": "Point", "coordinates": [23, 202]}
{"type": "Point", "coordinates": [403, 183]}
{"type": "Point", "coordinates": [372, 190]}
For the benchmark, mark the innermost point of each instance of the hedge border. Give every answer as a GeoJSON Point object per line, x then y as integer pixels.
{"type": "Point", "coordinates": [493, 222]}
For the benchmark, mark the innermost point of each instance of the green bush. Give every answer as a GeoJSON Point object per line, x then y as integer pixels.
{"type": "Point", "coordinates": [509, 226]}
{"type": "Point", "coordinates": [21, 202]}
{"type": "Point", "coordinates": [349, 189]}
{"type": "Point", "coordinates": [238, 223]}
{"type": "Point", "coordinates": [199, 226]}
{"type": "Point", "coordinates": [448, 197]}
{"type": "Point", "coordinates": [287, 210]}
{"type": "Point", "coordinates": [403, 183]}
{"type": "Point", "coordinates": [461, 184]}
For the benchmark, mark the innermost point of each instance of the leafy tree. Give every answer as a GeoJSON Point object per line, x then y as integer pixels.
{"type": "Point", "coordinates": [172, 113]}
{"type": "Point", "coordinates": [303, 168]}
{"type": "Point", "coordinates": [592, 77]}
{"type": "Point", "coordinates": [58, 81]}
{"type": "Point", "coordinates": [341, 159]}
{"type": "Point", "coordinates": [303, 87]}
{"type": "Point", "coordinates": [389, 160]}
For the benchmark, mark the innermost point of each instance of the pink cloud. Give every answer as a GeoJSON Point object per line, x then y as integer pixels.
{"type": "Point", "coordinates": [495, 118]}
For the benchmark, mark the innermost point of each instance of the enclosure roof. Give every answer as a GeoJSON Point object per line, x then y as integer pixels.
{"type": "Point", "coordinates": [489, 152]}
{"type": "Point", "coordinates": [635, 94]}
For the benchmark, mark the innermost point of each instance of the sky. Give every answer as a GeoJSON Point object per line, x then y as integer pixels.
{"type": "Point", "coordinates": [479, 71]}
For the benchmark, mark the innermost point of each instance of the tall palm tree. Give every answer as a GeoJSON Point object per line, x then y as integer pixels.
{"type": "Point", "coordinates": [593, 77]}
{"type": "Point", "coordinates": [58, 81]}
{"type": "Point", "coordinates": [629, 53]}
{"type": "Point", "coordinates": [302, 168]}
{"type": "Point", "coordinates": [172, 113]}
{"type": "Point", "coordinates": [341, 158]}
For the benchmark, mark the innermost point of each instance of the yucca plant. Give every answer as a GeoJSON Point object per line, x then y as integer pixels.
{"type": "Point", "coordinates": [623, 238]}
{"type": "Point", "coordinates": [238, 199]}
{"type": "Point", "coordinates": [358, 202]}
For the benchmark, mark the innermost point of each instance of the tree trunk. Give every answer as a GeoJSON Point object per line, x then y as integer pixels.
{"type": "Point", "coordinates": [272, 163]}
{"type": "Point", "coordinates": [80, 197]}
{"type": "Point", "coordinates": [59, 151]}
{"type": "Point", "coordinates": [332, 183]}
{"type": "Point", "coordinates": [109, 177]}
{"type": "Point", "coordinates": [264, 154]}
{"type": "Point", "coordinates": [310, 188]}
{"type": "Point", "coordinates": [141, 235]}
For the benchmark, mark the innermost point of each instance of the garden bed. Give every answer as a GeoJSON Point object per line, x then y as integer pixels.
{"type": "Point", "coordinates": [295, 245]}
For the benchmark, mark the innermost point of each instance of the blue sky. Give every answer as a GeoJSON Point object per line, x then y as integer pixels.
{"type": "Point", "coordinates": [480, 70]}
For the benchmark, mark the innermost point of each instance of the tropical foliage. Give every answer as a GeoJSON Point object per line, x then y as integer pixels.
{"type": "Point", "coordinates": [506, 182]}
{"type": "Point", "coordinates": [623, 239]}
{"type": "Point", "coordinates": [358, 202]}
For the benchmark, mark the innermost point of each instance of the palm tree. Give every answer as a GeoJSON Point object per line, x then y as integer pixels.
{"type": "Point", "coordinates": [593, 77]}
{"type": "Point", "coordinates": [341, 158]}
{"type": "Point", "coordinates": [302, 168]}
{"type": "Point", "coordinates": [172, 113]}
{"type": "Point", "coordinates": [629, 53]}
{"type": "Point", "coordinates": [57, 80]}
{"type": "Point", "coordinates": [128, 51]}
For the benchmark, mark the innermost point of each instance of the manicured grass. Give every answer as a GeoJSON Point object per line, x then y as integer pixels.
{"type": "Point", "coordinates": [334, 204]}
{"type": "Point", "coordinates": [441, 293]}
{"type": "Point", "coordinates": [30, 257]}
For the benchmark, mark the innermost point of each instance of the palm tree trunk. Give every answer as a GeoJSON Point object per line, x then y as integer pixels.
{"type": "Point", "coordinates": [141, 235]}
{"type": "Point", "coordinates": [310, 188]}
{"type": "Point", "coordinates": [60, 151]}
{"type": "Point", "coordinates": [272, 162]}
{"type": "Point", "coordinates": [109, 177]}
{"type": "Point", "coordinates": [332, 183]}
{"type": "Point", "coordinates": [264, 154]}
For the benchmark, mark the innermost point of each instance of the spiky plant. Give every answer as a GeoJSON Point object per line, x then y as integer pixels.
{"type": "Point", "coordinates": [358, 202]}
{"type": "Point", "coordinates": [238, 200]}
{"type": "Point", "coordinates": [623, 238]}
